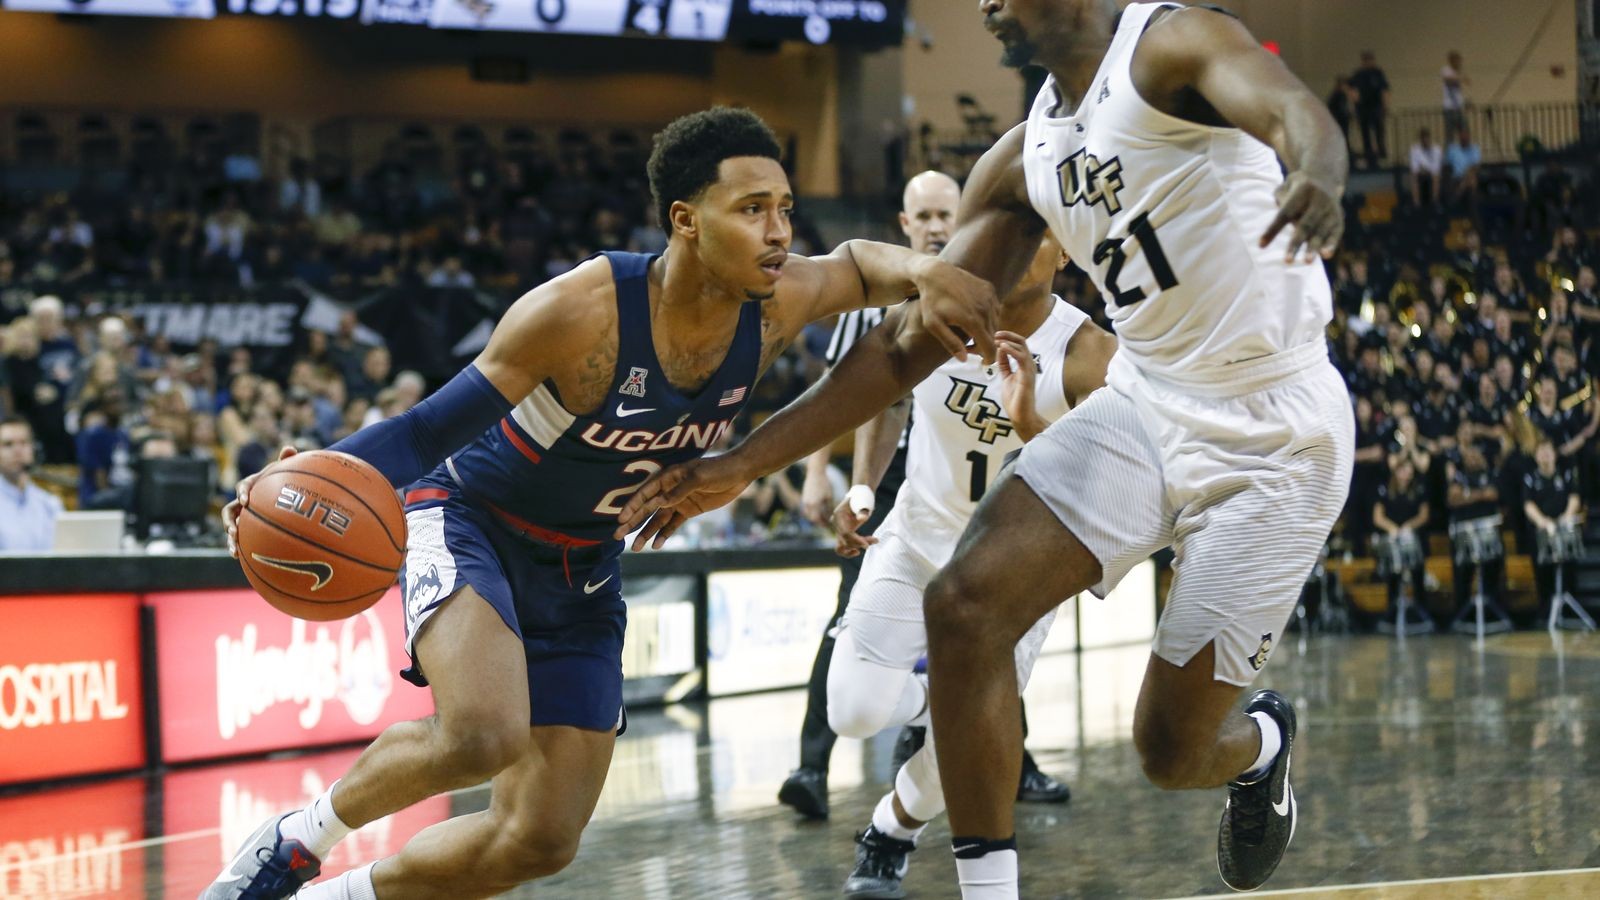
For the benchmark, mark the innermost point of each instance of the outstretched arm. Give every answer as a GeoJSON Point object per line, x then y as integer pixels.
{"type": "Point", "coordinates": [998, 238]}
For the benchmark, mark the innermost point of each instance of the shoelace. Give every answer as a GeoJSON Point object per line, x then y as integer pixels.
{"type": "Point", "coordinates": [883, 854]}
{"type": "Point", "coordinates": [267, 883]}
{"type": "Point", "coordinates": [1249, 812]}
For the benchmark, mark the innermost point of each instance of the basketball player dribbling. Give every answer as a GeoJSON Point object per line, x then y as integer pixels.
{"type": "Point", "coordinates": [971, 420]}
{"type": "Point", "coordinates": [515, 473]}
{"type": "Point", "coordinates": [1152, 153]}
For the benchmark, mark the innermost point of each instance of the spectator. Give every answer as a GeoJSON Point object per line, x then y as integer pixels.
{"type": "Point", "coordinates": [1473, 498]}
{"type": "Point", "coordinates": [1372, 104]}
{"type": "Point", "coordinates": [1550, 499]}
{"type": "Point", "coordinates": [299, 195]}
{"type": "Point", "coordinates": [1488, 416]}
{"type": "Point", "coordinates": [27, 512]}
{"type": "Point", "coordinates": [1513, 297]}
{"type": "Point", "coordinates": [1473, 264]}
{"type": "Point", "coordinates": [1455, 97]}
{"type": "Point", "coordinates": [104, 468]}
{"type": "Point", "coordinates": [1464, 157]}
{"type": "Point", "coordinates": [1561, 427]}
{"type": "Point", "coordinates": [450, 274]}
{"type": "Point", "coordinates": [58, 357]}
{"type": "Point", "coordinates": [1340, 106]}
{"type": "Point", "coordinates": [1427, 161]}
{"type": "Point", "coordinates": [1367, 474]}
{"type": "Point", "coordinates": [373, 375]}
{"type": "Point", "coordinates": [1401, 508]}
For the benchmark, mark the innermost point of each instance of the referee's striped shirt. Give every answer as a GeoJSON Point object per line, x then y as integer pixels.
{"type": "Point", "coordinates": [852, 325]}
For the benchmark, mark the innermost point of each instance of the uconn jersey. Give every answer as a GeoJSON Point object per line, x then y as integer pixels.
{"type": "Point", "coordinates": [570, 474]}
{"type": "Point", "coordinates": [524, 514]}
{"type": "Point", "coordinates": [964, 435]}
{"type": "Point", "coordinates": [1166, 216]}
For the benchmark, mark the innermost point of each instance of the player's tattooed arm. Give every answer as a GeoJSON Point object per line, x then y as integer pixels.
{"type": "Point", "coordinates": [1204, 65]}
{"type": "Point", "coordinates": [775, 338]}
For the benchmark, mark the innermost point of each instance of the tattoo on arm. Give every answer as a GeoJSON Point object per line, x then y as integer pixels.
{"type": "Point", "coordinates": [773, 342]}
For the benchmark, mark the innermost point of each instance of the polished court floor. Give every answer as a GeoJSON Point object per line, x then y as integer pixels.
{"type": "Point", "coordinates": [1423, 769]}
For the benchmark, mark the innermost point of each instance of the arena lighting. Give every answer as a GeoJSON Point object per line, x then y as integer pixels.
{"type": "Point", "coordinates": [1566, 284]}
{"type": "Point", "coordinates": [1416, 330]}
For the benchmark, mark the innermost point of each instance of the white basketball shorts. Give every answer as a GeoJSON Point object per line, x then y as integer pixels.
{"type": "Point", "coordinates": [1244, 482]}
{"type": "Point", "coordinates": [884, 613]}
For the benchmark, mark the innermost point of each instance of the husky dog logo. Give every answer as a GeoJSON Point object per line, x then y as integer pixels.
{"type": "Point", "coordinates": [1259, 658]}
{"type": "Point", "coordinates": [425, 588]}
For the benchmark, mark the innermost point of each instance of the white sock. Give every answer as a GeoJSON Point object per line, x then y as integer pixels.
{"type": "Point", "coordinates": [316, 826]}
{"type": "Point", "coordinates": [355, 884]}
{"type": "Point", "coordinates": [992, 876]}
{"type": "Point", "coordinates": [1271, 743]}
{"type": "Point", "coordinates": [884, 819]}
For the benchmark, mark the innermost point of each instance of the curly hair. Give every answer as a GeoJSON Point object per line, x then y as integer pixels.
{"type": "Point", "coordinates": [687, 153]}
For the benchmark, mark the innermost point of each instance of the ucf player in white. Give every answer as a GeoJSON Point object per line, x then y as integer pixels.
{"type": "Point", "coordinates": [1153, 154]}
{"type": "Point", "coordinates": [971, 420]}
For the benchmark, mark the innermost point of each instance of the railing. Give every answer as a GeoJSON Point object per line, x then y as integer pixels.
{"type": "Point", "coordinates": [1497, 130]}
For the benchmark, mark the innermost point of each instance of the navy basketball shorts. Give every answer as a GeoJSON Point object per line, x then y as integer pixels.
{"type": "Point", "coordinates": [565, 603]}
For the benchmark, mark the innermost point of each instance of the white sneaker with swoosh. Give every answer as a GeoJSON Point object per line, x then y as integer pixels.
{"type": "Point", "coordinates": [267, 866]}
{"type": "Point", "coordinates": [1259, 819]}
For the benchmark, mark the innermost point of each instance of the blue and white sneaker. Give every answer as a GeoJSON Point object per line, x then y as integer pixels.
{"type": "Point", "coordinates": [267, 867]}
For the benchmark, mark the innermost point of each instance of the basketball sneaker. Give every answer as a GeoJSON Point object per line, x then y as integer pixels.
{"type": "Point", "coordinates": [806, 790]}
{"type": "Point", "coordinates": [267, 867]}
{"type": "Point", "coordinates": [1037, 787]}
{"type": "Point", "coordinates": [1258, 821]}
{"type": "Point", "coordinates": [881, 863]}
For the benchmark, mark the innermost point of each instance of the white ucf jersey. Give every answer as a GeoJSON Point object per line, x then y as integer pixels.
{"type": "Point", "coordinates": [1166, 216]}
{"type": "Point", "coordinates": [964, 436]}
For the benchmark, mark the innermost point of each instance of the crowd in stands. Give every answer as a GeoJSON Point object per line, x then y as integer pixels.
{"type": "Point", "coordinates": [100, 393]}
{"type": "Point", "coordinates": [1467, 332]}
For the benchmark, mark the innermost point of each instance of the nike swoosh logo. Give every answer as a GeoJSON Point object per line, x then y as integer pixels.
{"type": "Point", "coordinates": [320, 572]}
{"type": "Point", "coordinates": [965, 847]}
{"type": "Point", "coordinates": [623, 412]}
{"type": "Point", "coordinates": [1282, 804]}
{"type": "Point", "coordinates": [591, 588]}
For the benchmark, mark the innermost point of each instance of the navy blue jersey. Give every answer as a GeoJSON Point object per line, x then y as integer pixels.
{"type": "Point", "coordinates": [563, 478]}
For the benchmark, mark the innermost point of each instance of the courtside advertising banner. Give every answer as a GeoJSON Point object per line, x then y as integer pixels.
{"type": "Point", "coordinates": [236, 676]}
{"type": "Point", "coordinates": [69, 686]}
{"type": "Point", "coordinates": [763, 626]}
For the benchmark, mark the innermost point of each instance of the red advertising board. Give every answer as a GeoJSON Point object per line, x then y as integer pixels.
{"type": "Point", "coordinates": [219, 806]}
{"type": "Point", "coordinates": [69, 686]}
{"type": "Point", "coordinates": [74, 842]}
{"type": "Point", "coordinates": [236, 676]}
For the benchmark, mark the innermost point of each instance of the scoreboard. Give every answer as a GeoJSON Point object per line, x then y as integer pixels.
{"type": "Point", "coordinates": [865, 22]}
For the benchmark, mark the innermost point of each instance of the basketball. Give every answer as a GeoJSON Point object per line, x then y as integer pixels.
{"type": "Point", "coordinates": [323, 535]}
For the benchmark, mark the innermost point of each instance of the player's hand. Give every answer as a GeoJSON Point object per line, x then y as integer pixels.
{"type": "Point", "coordinates": [847, 526]}
{"type": "Point", "coordinates": [1018, 373]}
{"type": "Point", "coordinates": [1313, 208]}
{"type": "Point", "coordinates": [956, 305]}
{"type": "Point", "coordinates": [816, 496]}
{"type": "Point", "coordinates": [241, 499]}
{"type": "Point", "coordinates": [674, 496]}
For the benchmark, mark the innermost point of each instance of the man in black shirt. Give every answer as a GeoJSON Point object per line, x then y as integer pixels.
{"type": "Point", "coordinates": [1549, 496]}
{"type": "Point", "coordinates": [1474, 264]}
{"type": "Point", "coordinates": [1372, 101]}
{"type": "Point", "coordinates": [1487, 415]}
{"type": "Point", "coordinates": [1443, 342]}
{"type": "Point", "coordinates": [1473, 497]}
{"type": "Point", "coordinates": [1558, 425]}
{"type": "Point", "coordinates": [1437, 416]}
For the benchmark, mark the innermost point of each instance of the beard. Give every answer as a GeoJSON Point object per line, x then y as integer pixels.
{"type": "Point", "coordinates": [1017, 53]}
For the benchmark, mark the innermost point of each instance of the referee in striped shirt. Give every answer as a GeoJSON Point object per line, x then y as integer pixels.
{"type": "Point", "coordinates": [928, 218]}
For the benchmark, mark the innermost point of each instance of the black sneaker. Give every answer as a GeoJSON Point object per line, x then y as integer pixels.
{"type": "Point", "coordinates": [881, 863]}
{"type": "Point", "coordinates": [1258, 822]}
{"type": "Point", "coordinates": [906, 745]}
{"type": "Point", "coordinates": [1037, 787]}
{"type": "Point", "coordinates": [807, 791]}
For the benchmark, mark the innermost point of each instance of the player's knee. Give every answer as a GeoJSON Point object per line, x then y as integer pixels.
{"type": "Point", "coordinates": [953, 608]}
{"type": "Point", "coordinates": [479, 751]}
{"type": "Point", "coordinates": [530, 850]}
{"type": "Point", "coordinates": [857, 713]}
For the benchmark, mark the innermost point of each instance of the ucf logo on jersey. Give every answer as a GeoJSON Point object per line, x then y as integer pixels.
{"type": "Point", "coordinates": [981, 414]}
{"type": "Point", "coordinates": [1084, 179]}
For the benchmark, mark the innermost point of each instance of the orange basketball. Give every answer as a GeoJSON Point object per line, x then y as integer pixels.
{"type": "Point", "coordinates": [323, 535]}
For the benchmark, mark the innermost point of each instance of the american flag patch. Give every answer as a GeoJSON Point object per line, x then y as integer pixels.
{"type": "Point", "coordinates": [729, 398]}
